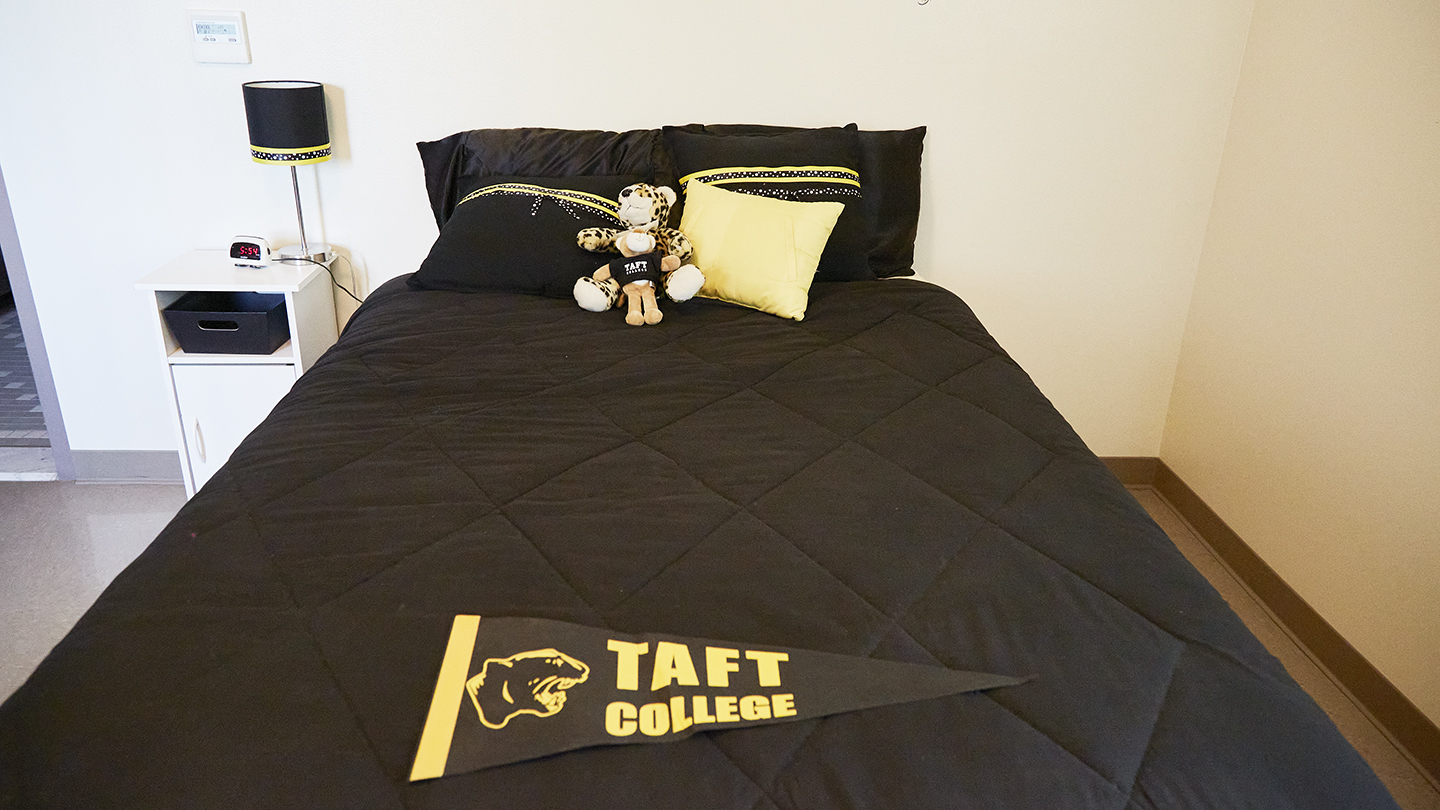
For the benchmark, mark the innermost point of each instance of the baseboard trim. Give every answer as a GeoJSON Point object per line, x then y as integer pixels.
{"type": "Point", "coordinates": [1406, 724]}
{"type": "Point", "coordinates": [1134, 471]}
{"type": "Point", "coordinates": [117, 466]}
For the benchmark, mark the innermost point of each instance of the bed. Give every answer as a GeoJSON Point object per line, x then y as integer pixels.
{"type": "Point", "coordinates": [876, 478]}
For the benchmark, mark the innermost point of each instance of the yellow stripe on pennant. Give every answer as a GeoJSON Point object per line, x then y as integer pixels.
{"type": "Point", "coordinates": [439, 730]}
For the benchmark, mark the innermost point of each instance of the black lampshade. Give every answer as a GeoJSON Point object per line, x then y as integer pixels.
{"type": "Point", "coordinates": [287, 122]}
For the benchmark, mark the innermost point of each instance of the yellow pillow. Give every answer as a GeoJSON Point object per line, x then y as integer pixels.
{"type": "Point", "coordinates": [755, 251]}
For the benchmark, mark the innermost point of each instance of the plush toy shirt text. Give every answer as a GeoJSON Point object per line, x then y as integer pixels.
{"type": "Point", "coordinates": [674, 665]}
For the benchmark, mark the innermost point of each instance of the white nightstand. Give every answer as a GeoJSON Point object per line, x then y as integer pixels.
{"type": "Point", "coordinates": [217, 399]}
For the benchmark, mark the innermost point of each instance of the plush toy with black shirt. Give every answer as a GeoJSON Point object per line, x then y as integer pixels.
{"type": "Point", "coordinates": [639, 271]}
{"type": "Point", "coordinates": [652, 257]}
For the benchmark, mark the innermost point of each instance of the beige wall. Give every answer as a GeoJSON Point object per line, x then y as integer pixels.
{"type": "Point", "coordinates": [1072, 152]}
{"type": "Point", "coordinates": [1306, 407]}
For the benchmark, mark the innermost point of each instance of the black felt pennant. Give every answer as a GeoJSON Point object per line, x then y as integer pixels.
{"type": "Point", "coordinates": [512, 689]}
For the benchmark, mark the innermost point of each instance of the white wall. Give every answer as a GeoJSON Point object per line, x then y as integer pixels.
{"type": "Point", "coordinates": [1306, 409]}
{"type": "Point", "coordinates": [1072, 153]}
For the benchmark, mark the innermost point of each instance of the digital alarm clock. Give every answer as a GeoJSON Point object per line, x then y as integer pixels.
{"type": "Point", "coordinates": [250, 251]}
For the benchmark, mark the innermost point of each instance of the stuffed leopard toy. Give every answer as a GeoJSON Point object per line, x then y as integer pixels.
{"type": "Point", "coordinates": [645, 208]}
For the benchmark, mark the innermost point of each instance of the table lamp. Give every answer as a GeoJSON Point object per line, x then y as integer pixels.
{"type": "Point", "coordinates": [288, 127]}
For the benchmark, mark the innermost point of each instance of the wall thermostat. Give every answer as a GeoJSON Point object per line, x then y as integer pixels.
{"type": "Point", "coordinates": [250, 251]}
{"type": "Point", "coordinates": [219, 36]}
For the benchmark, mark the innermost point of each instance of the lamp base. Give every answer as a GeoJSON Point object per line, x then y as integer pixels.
{"type": "Point", "coordinates": [319, 252]}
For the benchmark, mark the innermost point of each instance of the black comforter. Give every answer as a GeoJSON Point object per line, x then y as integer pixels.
{"type": "Point", "coordinates": [878, 480]}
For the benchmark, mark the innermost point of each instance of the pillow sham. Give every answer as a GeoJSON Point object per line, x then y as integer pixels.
{"type": "Point", "coordinates": [457, 164]}
{"type": "Point", "coordinates": [890, 170]}
{"type": "Point", "coordinates": [890, 177]}
{"type": "Point", "coordinates": [757, 251]}
{"type": "Point", "coordinates": [812, 165]}
{"type": "Point", "coordinates": [517, 234]}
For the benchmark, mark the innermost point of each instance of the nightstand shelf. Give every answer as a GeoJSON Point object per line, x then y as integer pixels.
{"type": "Point", "coordinates": [217, 399]}
{"type": "Point", "coordinates": [284, 354]}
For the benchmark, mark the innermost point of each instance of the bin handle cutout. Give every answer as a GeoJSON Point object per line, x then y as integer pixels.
{"type": "Point", "coordinates": [219, 326]}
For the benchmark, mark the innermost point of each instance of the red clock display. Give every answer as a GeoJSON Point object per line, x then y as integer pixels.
{"type": "Point", "coordinates": [245, 250]}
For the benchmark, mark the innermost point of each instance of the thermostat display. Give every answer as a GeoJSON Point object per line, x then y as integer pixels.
{"type": "Point", "coordinates": [206, 31]}
{"type": "Point", "coordinates": [219, 36]}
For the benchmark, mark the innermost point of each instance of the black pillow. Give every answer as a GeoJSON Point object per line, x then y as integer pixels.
{"type": "Point", "coordinates": [463, 161]}
{"type": "Point", "coordinates": [890, 177]}
{"type": "Point", "coordinates": [828, 163]}
{"type": "Point", "coordinates": [890, 172]}
{"type": "Point", "coordinates": [517, 234]}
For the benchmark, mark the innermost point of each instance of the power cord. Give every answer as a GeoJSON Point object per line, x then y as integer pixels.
{"type": "Point", "coordinates": [333, 279]}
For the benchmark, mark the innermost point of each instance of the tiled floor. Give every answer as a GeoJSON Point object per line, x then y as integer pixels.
{"type": "Point", "coordinates": [26, 463]}
{"type": "Point", "coordinates": [1406, 782]}
{"type": "Point", "coordinates": [61, 543]}
{"type": "Point", "coordinates": [22, 424]}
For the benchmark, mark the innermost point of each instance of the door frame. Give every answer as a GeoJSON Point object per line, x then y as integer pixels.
{"type": "Point", "coordinates": [34, 341]}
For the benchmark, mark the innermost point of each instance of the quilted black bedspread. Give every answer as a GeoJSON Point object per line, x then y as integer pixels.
{"type": "Point", "coordinates": [878, 480]}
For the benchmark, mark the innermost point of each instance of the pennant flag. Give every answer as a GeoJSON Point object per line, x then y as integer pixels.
{"type": "Point", "coordinates": [513, 689]}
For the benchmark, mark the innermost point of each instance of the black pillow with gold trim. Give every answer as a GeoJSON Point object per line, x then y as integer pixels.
{"type": "Point", "coordinates": [890, 178]}
{"type": "Point", "coordinates": [464, 161]}
{"type": "Point", "coordinates": [812, 165]}
{"type": "Point", "coordinates": [517, 234]}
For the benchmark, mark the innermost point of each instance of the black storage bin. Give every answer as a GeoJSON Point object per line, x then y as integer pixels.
{"type": "Point", "coordinates": [229, 322]}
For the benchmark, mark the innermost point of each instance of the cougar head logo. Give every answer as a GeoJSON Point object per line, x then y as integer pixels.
{"type": "Point", "coordinates": [525, 683]}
